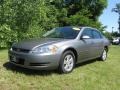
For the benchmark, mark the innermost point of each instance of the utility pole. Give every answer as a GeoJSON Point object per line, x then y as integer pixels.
{"type": "Point", "coordinates": [112, 30]}
{"type": "Point", "coordinates": [117, 10]}
{"type": "Point", "coordinates": [119, 22]}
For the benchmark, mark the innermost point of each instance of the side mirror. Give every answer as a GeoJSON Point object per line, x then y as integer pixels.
{"type": "Point", "coordinates": [85, 37]}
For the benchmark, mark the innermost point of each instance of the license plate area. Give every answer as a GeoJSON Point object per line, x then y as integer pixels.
{"type": "Point", "coordinates": [13, 59]}
{"type": "Point", "coordinates": [17, 60]}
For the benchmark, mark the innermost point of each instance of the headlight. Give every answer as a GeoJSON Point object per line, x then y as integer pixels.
{"type": "Point", "coordinates": [45, 49]}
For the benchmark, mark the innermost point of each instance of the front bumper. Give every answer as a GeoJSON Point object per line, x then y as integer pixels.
{"type": "Point", "coordinates": [34, 61]}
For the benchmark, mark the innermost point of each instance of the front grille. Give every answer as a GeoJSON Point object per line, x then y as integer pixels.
{"type": "Point", "coordinates": [20, 50]}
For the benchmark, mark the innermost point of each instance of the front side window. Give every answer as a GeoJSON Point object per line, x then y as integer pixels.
{"type": "Point", "coordinates": [87, 32]}
{"type": "Point", "coordinates": [96, 34]}
{"type": "Point", "coordinates": [63, 32]}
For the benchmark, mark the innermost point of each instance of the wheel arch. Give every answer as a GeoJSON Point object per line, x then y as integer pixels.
{"type": "Point", "coordinates": [74, 51]}
{"type": "Point", "coordinates": [106, 47]}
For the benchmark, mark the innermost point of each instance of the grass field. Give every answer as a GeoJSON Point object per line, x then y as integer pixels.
{"type": "Point", "coordinates": [94, 75]}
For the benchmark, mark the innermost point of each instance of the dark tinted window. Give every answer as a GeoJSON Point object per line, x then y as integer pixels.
{"type": "Point", "coordinates": [63, 32]}
{"type": "Point", "coordinates": [96, 34]}
{"type": "Point", "coordinates": [87, 32]}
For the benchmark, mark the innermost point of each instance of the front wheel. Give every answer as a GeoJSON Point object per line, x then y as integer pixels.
{"type": "Point", "coordinates": [104, 55]}
{"type": "Point", "coordinates": [67, 62]}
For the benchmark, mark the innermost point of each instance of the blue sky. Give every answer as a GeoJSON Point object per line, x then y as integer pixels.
{"type": "Point", "coordinates": [109, 18]}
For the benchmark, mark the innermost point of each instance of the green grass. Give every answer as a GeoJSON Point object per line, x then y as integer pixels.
{"type": "Point", "coordinates": [96, 75]}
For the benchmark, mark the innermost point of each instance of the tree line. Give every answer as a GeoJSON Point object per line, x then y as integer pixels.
{"type": "Point", "coordinates": [23, 19]}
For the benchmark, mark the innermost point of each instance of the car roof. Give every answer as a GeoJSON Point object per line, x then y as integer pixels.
{"type": "Point", "coordinates": [78, 27]}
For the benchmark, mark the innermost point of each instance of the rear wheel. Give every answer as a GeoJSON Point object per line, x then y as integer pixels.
{"type": "Point", "coordinates": [67, 62]}
{"type": "Point", "coordinates": [104, 55]}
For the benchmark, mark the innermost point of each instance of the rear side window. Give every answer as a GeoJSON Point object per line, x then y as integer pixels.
{"type": "Point", "coordinates": [96, 34]}
{"type": "Point", "coordinates": [87, 32]}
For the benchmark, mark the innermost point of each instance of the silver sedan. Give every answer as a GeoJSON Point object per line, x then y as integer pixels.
{"type": "Point", "coordinates": [60, 48]}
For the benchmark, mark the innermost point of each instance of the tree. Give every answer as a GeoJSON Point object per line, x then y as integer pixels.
{"type": "Point", "coordinates": [7, 36]}
{"type": "Point", "coordinates": [116, 34]}
{"type": "Point", "coordinates": [117, 10]}
{"type": "Point", "coordinates": [80, 12]}
{"type": "Point", "coordinates": [22, 19]}
{"type": "Point", "coordinates": [22, 15]}
{"type": "Point", "coordinates": [25, 19]}
{"type": "Point", "coordinates": [74, 6]}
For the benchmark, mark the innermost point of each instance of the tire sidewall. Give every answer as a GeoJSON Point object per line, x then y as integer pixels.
{"type": "Point", "coordinates": [102, 55]}
{"type": "Point", "coordinates": [61, 65]}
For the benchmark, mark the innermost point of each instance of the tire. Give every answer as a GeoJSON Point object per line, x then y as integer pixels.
{"type": "Point", "coordinates": [104, 55]}
{"type": "Point", "coordinates": [67, 62]}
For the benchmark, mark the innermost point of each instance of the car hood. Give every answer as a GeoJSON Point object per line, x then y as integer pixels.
{"type": "Point", "coordinates": [29, 44]}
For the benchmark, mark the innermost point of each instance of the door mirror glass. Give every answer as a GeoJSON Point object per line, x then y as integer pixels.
{"type": "Point", "coordinates": [85, 37]}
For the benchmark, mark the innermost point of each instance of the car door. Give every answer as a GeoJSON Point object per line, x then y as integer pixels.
{"type": "Point", "coordinates": [85, 45]}
{"type": "Point", "coordinates": [97, 46]}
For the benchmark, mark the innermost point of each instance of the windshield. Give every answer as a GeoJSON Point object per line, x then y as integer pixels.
{"type": "Point", "coordinates": [63, 32]}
